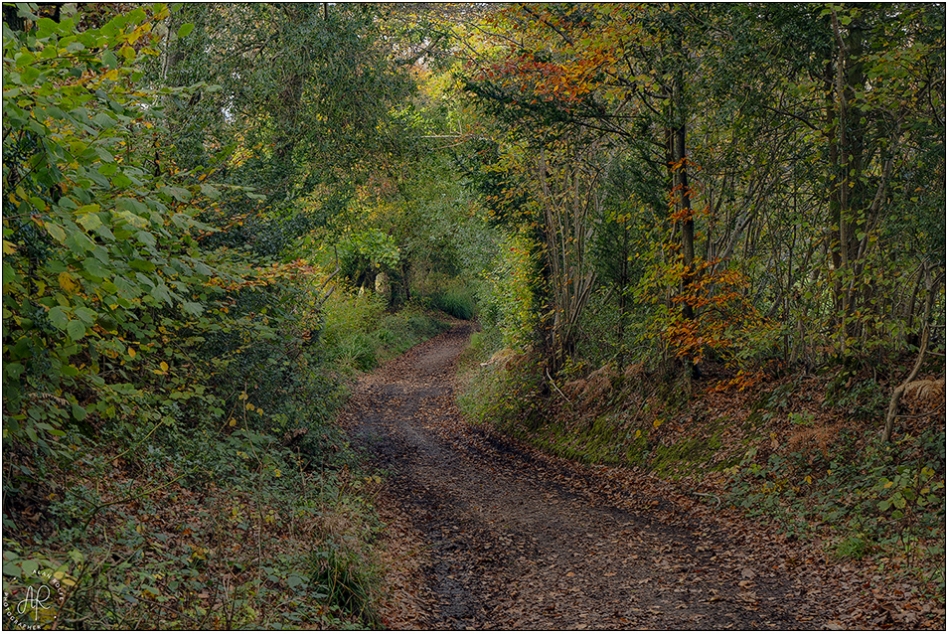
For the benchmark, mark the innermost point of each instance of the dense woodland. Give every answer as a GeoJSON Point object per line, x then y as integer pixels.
{"type": "Point", "coordinates": [705, 240]}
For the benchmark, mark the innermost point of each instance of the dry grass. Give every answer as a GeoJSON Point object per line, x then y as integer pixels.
{"type": "Point", "coordinates": [926, 392]}
{"type": "Point", "coordinates": [820, 436]}
{"type": "Point", "coordinates": [596, 388]}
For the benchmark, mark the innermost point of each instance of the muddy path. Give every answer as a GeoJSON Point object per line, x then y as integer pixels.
{"type": "Point", "coordinates": [493, 535]}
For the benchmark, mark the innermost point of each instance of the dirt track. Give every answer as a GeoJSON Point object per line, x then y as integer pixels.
{"type": "Point", "coordinates": [497, 536]}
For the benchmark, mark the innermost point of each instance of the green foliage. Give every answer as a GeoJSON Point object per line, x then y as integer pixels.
{"type": "Point", "coordinates": [853, 547]}
{"type": "Point", "coordinates": [804, 419]}
{"type": "Point", "coordinates": [456, 301]}
{"type": "Point", "coordinates": [306, 108]}
{"type": "Point", "coordinates": [502, 389]}
{"type": "Point", "coordinates": [96, 245]}
{"type": "Point", "coordinates": [171, 373]}
{"type": "Point", "coordinates": [176, 563]}
{"type": "Point", "coordinates": [359, 333]}
{"type": "Point", "coordinates": [337, 572]}
{"type": "Point", "coordinates": [871, 496]}
{"type": "Point", "coordinates": [368, 251]}
{"type": "Point", "coordinates": [862, 400]}
{"type": "Point", "coordinates": [508, 297]}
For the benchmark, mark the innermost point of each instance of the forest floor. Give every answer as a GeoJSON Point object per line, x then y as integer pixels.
{"type": "Point", "coordinates": [485, 533]}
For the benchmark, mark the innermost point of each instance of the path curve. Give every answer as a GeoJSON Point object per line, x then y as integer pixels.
{"type": "Point", "coordinates": [511, 539]}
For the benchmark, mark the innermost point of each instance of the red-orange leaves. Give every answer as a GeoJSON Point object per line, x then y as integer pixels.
{"type": "Point", "coordinates": [723, 316]}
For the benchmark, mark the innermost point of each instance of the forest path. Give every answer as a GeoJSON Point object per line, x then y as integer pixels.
{"type": "Point", "coordinates": [483, 533]}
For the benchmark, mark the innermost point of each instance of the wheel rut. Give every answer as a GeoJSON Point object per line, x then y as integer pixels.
{"type": "Point", "coordinates": [512, 539]}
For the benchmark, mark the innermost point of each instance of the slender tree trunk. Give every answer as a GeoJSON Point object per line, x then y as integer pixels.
{"type": "Point", "coordinates": [682, 198]}
{"type": "Point", "coordinates": [623, 307]}
{"type": "Point", "coordinates": [848, 161]}
{"type": "Point", "coordinates": [923, 344]}
{"type": "Point", "coordinates": [688, 223]}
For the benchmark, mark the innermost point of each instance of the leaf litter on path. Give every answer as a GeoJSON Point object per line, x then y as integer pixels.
{"type": "Point", "coordinates": [486, 533]}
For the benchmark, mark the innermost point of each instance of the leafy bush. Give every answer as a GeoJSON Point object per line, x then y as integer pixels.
{"type": "Point", "coordinates": [507, 297]}
{"type": "Point", "coordinates": [100, 254]}
{"type": "Point", "coordinates": [358, 332]}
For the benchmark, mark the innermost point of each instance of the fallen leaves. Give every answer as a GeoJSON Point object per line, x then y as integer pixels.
{"type": "Point", "coordinates": [498, 522]}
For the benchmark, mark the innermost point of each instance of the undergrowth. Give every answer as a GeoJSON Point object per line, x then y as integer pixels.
{"type": "Point", "coordinates": [263, 520]}
{"type": "Point", "coordinates": [196, 532]}
{"type": "Point", "coordinates": [360, 333]}
{"type": "Point", "coordinates": [800, 451]}
{"type": "Point", "coordinates": [866, 496]}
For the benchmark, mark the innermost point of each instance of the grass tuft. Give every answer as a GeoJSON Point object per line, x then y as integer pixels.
{"type": "Point", "coordinates": [457, 302]}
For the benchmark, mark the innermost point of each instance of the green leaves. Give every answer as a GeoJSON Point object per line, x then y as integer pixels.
{"type": "Point", "coordinates": [81, 153]}
{"type": "Point", "coordinates": [57, 316]}
{"type": "Point", "coordinates": [78, 412]}
{"type": "Point", "coordinates": [56, 231]}
{"type": "Point", "coordinates": [90, 221]}
{"type": "Point", "coordinates": [379, 248]}
{"type": "Point", "coordinates": [76, 329]}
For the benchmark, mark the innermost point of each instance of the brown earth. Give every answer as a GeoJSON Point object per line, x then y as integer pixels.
{"type": "Point", "coordinates": [484, 533]}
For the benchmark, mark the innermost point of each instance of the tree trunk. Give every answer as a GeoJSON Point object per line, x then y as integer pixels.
{"type": "Point", "coordinates": [847, 155]}
{"type": "Point", "coordinates": [683, 201]}
{"type": "Point", "coordinates": [688, 222]}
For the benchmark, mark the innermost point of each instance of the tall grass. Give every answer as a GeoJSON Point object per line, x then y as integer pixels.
{"type": "Point", "coordinates": [456, 301]}
{"type": "Point", "coordinates": [358, 333]}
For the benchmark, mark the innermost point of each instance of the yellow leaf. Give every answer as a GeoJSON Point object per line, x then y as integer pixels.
{"type": "Point", "coordinates": [277, 472]}
{"type": "Point", "coordinates": [657, 423]}
{"type": "Point", "coordinates": [249, 406]}
{"type": "Point", "coordinates": [232, 422]}
{"type": "Point", "coordinates": [66, 282]}
{"type": "Point", "coordinates": [243, 396]}
{"type": "Point", "coordinates": [132, 352]}
{"type": "Point", "coordinates": [260, 411]}
{"type": "Point", "coordinates": [8, 248]}
{"type": "Point", "coordinates": [808, 479]}
{"type": "Point", "coordinates": [164, 366]}
{"type": "Point", "coordinates": [639, 433]}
